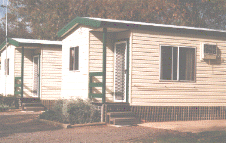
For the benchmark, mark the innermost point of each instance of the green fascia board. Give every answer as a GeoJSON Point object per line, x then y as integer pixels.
{"type": "Point", "coordinates": [2, 45]}
{"type": "Point", "coordinates": [79, 20]}
{"type": "Point", "coordinates": [10, 41]}
{"type": "Point", "coordinates": [13, 42]}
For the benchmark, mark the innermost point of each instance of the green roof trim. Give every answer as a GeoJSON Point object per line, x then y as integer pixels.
{"type": "Point", "coordinates": [2, 45]}
{"type": "Point", "coordinates": [79, 20]}
{"type": "Point", "coordinates": [13, 42]}
{"type": "Point", "coordinates": [10, 41]}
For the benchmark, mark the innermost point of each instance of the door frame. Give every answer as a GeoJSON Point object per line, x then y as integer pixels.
{"type": "Point", "coordinates": [38, 94]}
{"type": "Point", "coordinates": [126, 100]}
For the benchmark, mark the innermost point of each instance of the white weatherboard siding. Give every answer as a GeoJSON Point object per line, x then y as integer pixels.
{"type": "Point", "coordinates": [75, 83]}
{"type": "Point", "coordinates": [7, 80]}
{"type": "Point", "coordinates": [50, 76]}
{"type": "Point", "coordinates": [51, 73]}
{"type": "Point", "coordinates": [208, 90]}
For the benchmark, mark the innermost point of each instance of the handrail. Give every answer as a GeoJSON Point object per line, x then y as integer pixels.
{"type": "Point", "coordinates": [17, 85]}
{"type": "Point", "coordinates": [91, 85]}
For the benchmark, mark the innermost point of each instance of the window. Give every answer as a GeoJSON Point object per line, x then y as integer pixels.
{"type": "Point", "coordinates": [177, 63]}
{"type": "Point", "coordinates": [74, 58]}
{"type": "Point", "coordinates": [7, 67]}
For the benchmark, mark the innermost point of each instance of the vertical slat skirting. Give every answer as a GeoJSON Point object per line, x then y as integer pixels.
{"type": "Point", "coordinates": [48, 103]}
{"type": "Point", "coordinates": [161, 114]}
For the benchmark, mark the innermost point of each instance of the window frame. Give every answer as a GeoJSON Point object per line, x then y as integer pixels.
{"type": "Point", "coordinates": [178, 68]}
{"type": "Point", "coordinates": [73, 59]}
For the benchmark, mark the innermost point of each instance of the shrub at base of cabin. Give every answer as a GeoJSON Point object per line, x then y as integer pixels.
{"type": "Point", "coordinates": [81, 112]}
{"type": "Point", "coordinates": [3, 108]}
{"type": "Point", "coordinates": [9, 101]}
{"type": "Point", "coordinates": [72, 111]}
{"type": "Point", "coordinates": [50, 115]}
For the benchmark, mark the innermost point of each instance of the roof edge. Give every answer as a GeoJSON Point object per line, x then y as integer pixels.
{"type": "Point", "coordinates": [78, 20]}
{"type": "Point", "coordinates": [9, 41]}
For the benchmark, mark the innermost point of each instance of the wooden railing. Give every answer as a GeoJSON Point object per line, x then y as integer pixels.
{"type": "Point", "coordinates": [92, 84]}
{"type": "Point", "coordinates": [17, 85]}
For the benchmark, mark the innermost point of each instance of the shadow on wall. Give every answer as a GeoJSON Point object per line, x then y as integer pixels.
{"type": "Point", "coordinates": [29, 90]}
{"type": "Point", "coordinates": [99, 90]}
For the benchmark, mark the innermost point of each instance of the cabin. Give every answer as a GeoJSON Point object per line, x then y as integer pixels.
{"type": "Point", "coordinates": [31, 69]}
{"type": "Point", "coordinates": [159, 72]}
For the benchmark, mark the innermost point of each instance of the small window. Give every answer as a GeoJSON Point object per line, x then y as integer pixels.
{"type": "Point", "coordinates": [177, 63]}
{"type": "Point", "coordinates": [7, 67]}
{"type": "Point", "coordinates": [74, 58]}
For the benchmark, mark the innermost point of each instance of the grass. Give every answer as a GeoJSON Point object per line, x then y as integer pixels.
{"type": "Point", "coordinates": [202, 137]}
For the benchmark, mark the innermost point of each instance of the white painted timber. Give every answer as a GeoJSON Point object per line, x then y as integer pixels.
{"type": "Point", "coordinates": [7, 81]}
{"type": "Point", "coordinates": [75, 83]}
{"type": "Point", "coordinates": [147, 90]}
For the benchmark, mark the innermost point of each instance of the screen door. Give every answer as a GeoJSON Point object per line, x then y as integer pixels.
{"type": "Point", "coordinates": [36, 76]}
{"type": "Point", "coordinates": [120, 71]}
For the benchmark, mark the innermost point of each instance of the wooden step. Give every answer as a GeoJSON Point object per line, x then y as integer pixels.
{"type": "Point", "coordinates": [123, 121]}
{"type": "Point", "coordinates": [120, 114]}
{"type": "Point", "coordinates": [33, 108]}
{"type": "Point", "coordinates": [31, 104]}
{"type": "Point", "coordinates": [30, 100]}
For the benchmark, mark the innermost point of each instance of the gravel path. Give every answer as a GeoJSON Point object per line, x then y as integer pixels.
{"type": "Point", "coordinates": [21, 127]}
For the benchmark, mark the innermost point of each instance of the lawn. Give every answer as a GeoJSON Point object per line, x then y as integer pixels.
{"type": "Point", "coordinates": [177, 137]}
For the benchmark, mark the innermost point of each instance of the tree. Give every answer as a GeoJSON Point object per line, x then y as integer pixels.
{"type": "Point", "coordinates": [42, 19]}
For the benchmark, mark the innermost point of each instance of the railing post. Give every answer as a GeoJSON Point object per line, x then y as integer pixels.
{"type": "Point", "coordinates": [127, 73]}
{"type": "Point", "coordinates": [90, 88]}
{"type": "Point", "coordinates": [104, 63]}
{"type": "Point", "coordinates": [39, 75]}
{"type": "Point", "coordinates": [22, 74]}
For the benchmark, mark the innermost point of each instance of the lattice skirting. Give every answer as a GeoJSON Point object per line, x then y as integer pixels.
{"type": "Point", "coordinates": [177, 113]}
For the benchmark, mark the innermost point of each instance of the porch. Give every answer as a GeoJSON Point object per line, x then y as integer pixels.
{"type": "Point", "coordinates": [109, 65]}
{"type": "Point", "coordinates": [30, 83]}
{"type": "Point", "coordinates": [27, 73]}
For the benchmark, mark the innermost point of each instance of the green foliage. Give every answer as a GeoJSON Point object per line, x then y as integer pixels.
{"type": "Point", "coordinates": [3, 107]}
{"type": "Point", "coordinates": [73, 111]}
{"type": "Point", "coordinates": [81, 111]}
{"type": "Point", "coordinates": [50, 115]}
{"type": "Point", "coordinates": [42, 19]}
{"type": "Point", "coordinates": [8, 101]}
{"type": "Point", "coordinates": [1, 99]}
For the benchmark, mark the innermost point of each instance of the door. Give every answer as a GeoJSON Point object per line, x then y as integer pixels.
{"type": "Point", "coordinates": [36, 76]}
{"type": "Point", "coordinates": [120, 71]}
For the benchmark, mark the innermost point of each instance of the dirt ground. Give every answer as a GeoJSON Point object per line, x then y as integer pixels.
{"type": "Point", "coordinates": [21, 127]}
{"type": "Point", "coordinates": [189, 126]}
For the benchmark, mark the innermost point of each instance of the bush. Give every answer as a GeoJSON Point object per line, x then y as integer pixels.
{"type": "Point", "coordinates": [3, 108]}
{"type": "Point", "coordinates": [1, 99]}
{"type": "Point", "coordinates": [8, 101]}
{"type": "Point", "coordinates": [50, 115]}
{"type": "Point", "coordinates": [73, 112]}
{"type": "Point", "coordinates": [81, 111]}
